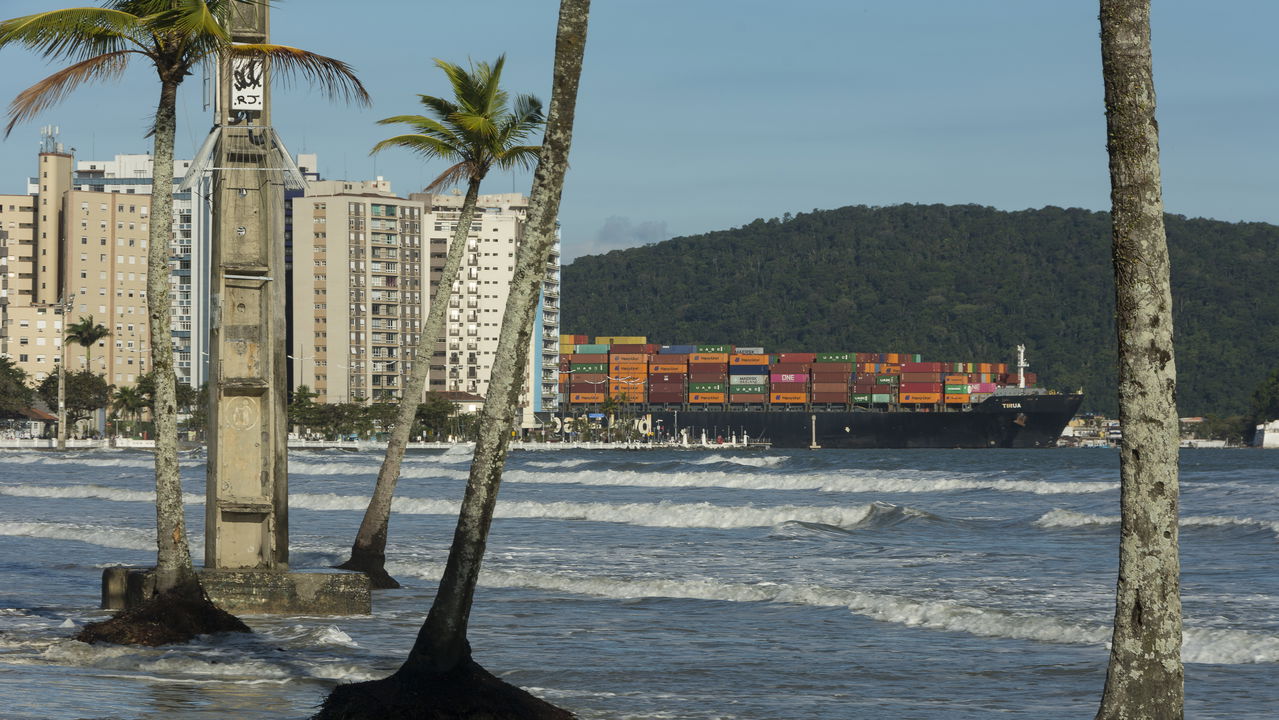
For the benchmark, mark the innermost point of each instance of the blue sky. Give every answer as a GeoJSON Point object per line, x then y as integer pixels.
{"type": "Point", "coordinates": [701, 115]}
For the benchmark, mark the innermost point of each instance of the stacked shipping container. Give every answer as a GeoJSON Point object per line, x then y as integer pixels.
{"type": "Point", "coordinates": [630, 370]}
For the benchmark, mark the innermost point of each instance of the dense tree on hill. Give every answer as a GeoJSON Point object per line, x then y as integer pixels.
{"type": "Point", "coordinates": [1265, 400]}
{"type": "Point", "coordinates": [955, 283]}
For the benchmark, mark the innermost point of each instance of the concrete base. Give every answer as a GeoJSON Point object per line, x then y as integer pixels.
{"type": "Point", "coordinates": [253, 592]}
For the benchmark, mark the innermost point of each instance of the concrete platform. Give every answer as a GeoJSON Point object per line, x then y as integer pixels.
{"type": "Point", "coordinates": [254, 592]}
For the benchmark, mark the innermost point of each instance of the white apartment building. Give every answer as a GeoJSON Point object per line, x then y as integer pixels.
{"type": "Point", "coordinates": [365, 265]}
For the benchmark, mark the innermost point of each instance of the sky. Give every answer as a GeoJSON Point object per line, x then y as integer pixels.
{"type": "Point", "coordinates": [702, 115]}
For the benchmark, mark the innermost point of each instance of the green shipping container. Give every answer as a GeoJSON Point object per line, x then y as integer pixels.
{"type": "Point", "coordinates": [589, 367]}
{"type": "Point", "coordinates": [750, 388]}
{"type": "Point", "coordinates": [586, 349]}
{"type": "Point", "coordinates": [863, 398]}
{"type": "Point", "coordinates": [956, 389]}
{"type": "Point", "coordinates": [886, 380]}
{"type": "Point", "coordinates": [714, 348]}
{"type": "Point", "coordinates": [881, 398]}
{"type": "Point", "coordinates": [835, 357]}
{"type": "Point", "coordinates": [707, 388]}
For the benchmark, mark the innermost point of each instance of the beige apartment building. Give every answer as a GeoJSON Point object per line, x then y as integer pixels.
{"type": "Point", "coordinates": [79, 249]}
{"type": "Point", "coordinates": [365, 265]}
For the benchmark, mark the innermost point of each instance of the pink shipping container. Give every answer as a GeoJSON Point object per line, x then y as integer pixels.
{"type": "Point", "coordinates": [793, 367]}
{"type": "Point", "coordinates": [788, 378]}
{"type": "Point", "coordinates": [987, 387]}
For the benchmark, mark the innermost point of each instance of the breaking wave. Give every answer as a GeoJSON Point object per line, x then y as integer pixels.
{"type": "Point", "coordinates": [1200, 645]}
{"type": "Point", "coordinates": [113, 537]}
{"type": "Point", "coordinates": [1058, 518]}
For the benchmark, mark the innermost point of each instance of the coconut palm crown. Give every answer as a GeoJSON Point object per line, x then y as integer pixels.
{"type": "Point", "coordinates": [86, 332]}
{"type": "Point", "coordinates": [476, 131]}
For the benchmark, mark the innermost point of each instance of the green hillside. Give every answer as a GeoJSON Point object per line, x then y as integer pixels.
{"type": "Point", "coordinates": [960, 283]}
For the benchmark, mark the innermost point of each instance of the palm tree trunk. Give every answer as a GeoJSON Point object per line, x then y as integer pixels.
{"type": "Point", "coordinates": [368, 553]}
{"type": "Point", "coordinates": [1144, 678]}
{"type": "Point", "coordinates": [173, 562]}
{"type": "Point", "coordinates": [441, 644]}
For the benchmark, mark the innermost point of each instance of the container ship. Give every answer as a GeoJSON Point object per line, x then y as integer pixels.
{"type": "Point", "coordinates": [807, 400]}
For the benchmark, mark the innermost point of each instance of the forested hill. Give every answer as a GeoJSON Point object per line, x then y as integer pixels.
{"type": "Point", "coordinates": [958, 283]}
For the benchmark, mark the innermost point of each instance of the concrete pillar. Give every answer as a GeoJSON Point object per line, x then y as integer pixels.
{"type": "Point", "coordinates": [247, 508]}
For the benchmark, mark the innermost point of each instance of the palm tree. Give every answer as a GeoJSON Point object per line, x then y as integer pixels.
{"type": "Point", "coordinates": [173, 36]}
{"type": "Point", "coordinates": [128, 402]}
{"type": "Point", "coordinates": [86, 333]}
{"type": "Point", "coordinates": [1144, 678]}
{"type": "Point", "coordinates": [476, 131]}
{"type": "Point", "coordinates": [439, 672]}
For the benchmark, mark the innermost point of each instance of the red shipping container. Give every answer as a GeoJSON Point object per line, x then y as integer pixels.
{"type": "Point", "coordinates": [923, 367]}
{"type": "Point", "coordinates": [577, 378]}
{"type": "Point", "coordinates": [925, 377]}
{"type": "Point", "coordinates": [836, 388]}
{"type": "Point", "coordinates": [589, 358]}
{"type": "Point", "coordinates": [626, 348]}
{"type": "Point", "coordinates": [864, 377]}
{"type": "Point", "coordinates": [747, 398]}
{"type": "Point", "coordinates": [790, 367]}
{"type": "Point", "coordinates": [664, 358]}
{"type": "Point", "coordinates": [652, 348]}
{"type": "Point", "coordinates": [866, 357]}
{"type": "Point", "coordinates": [792, 387]}
{"type": "Point", "coordinates": [830, 397]}
{"type": "Point", "coordinates": [831, 377]}
{"type": "Point", "coordinates": [661, 398]}
{"type": "Point", "coordinates": [797, 357]}
{"type": "Point", "coordinates": [677, 378]}
{"type": "Point", "coordinates": [921, 387]}
{"type": "Point", "coordinates": [832, 367]}
{"type": "Point", "coordinates": [707, 377]}
{"type": "Point", "coordinates": [666, 387]}
{"type": "Point", "coordinates": [871, 388]}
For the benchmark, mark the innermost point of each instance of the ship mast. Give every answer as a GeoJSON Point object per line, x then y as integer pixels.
{"type": "Point", "coordinates": [1021, 366]}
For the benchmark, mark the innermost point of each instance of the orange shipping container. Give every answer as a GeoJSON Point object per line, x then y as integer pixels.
{"type": "Point", "coordinates": [628, 369]}
{"type": "Point", "coordinates": [920, 398]}
{"type": "Point", "coordinates": [827, 387]}
{"type": "Point", "coordinates": [955, 379]}
{"type": "Point", "coordinates": [707, 398]}
{"type": "Point", "coordinates": [628, 358]}
{"type": "Point", "coordinates": [671, 368]}
{"type": "Point", "coordinates": [721, 358]}
{"type": "Point", "coordinates": [740, 359]}
{"type": "Point", "coordinates": [956, 399]}
{"type": "Point", "coordinates": [586, 398]}
{"type": "Point", "coordinates": [788, 398]}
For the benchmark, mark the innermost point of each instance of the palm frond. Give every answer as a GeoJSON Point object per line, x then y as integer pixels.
{"type": "Point", "coordinates": [73, 33]}
{"type": "Point", "coordinates": [334, 77]}
{"type": "Point", "coordinates": [424, 145]}
{"type": "Point", "coordinates": [51, 90]}
{"type": "Point", "coordinates": [453, 176]}
{"type": "Point", "coordinates": [441, 108]}
{"type": "Point", "coordinates": [520, 156]}
{"type": "Point", "coordinates": [191, 19]}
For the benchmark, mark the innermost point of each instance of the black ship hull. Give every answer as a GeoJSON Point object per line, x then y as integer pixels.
{"type": "Point", "coordinates": [1002, 421]}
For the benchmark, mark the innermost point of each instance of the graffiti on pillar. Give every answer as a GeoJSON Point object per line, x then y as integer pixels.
{"type": "Point", "coordinates": [248, 84]}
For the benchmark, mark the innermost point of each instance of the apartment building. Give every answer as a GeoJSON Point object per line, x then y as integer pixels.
{"type": "Point", "coordinates": [358, 302]}
{"type": "Point", "coordinates": [72, 244]}
{"type": "Point", "coordinates": [365, 266]}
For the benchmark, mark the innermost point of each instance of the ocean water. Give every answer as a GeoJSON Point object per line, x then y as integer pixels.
{"type": "Point", "coordinates": [674, 584]}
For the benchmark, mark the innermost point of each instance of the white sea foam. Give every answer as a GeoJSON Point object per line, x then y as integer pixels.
{"type": "Point", "coordinates": [807, 481]}
{"type": "Point", "coordinates": [748, 460]}
{"type": "Point", "coordinates": [115, 537]}
{"type": "Point", "coordinates": [1200, 645]}
{"type": "Point", "coordinates": [694, 515]}
{"type": "Point", "coordinates": [98, 492]}
{"type": "Point", "coordinates": [1069, 518]}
